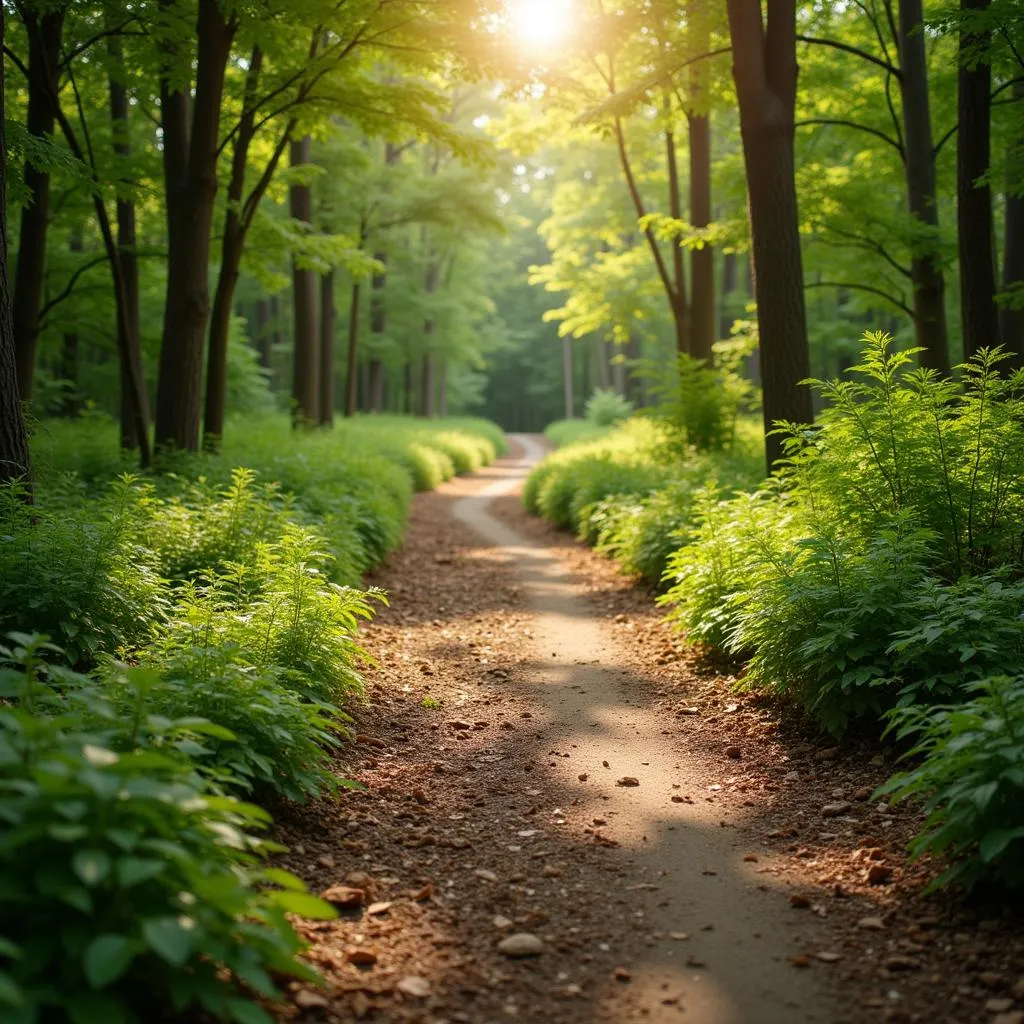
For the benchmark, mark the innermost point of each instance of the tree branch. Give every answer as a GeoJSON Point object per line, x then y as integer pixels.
{"type": "Point", "coordinates": [846, 48]}
{"type": "Point", "coordinates": [66, 291]}
{"type": "Point", "coordinates": [898, 303]}
{"type": "Point", "coordinates": [853, 124]}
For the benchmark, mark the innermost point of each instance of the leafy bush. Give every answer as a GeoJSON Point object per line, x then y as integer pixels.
{"type": "Point", "coordinates": [970, 776]}
{"type": "Point", "coordinates": [125, 883]}
{"type": "Point", "coordinates": [882, 567]}
{"type": "Point", "coordinates": [566, 432]}
{"type": "Point", "coordinates": [606, 407]}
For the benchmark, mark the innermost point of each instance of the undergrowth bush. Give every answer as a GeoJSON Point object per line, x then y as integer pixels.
{"type": "Point", "coordinates": [566, 432]}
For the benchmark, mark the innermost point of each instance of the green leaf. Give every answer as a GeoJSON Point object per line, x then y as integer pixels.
{"type": "Point", "coordinates": [91, 866]}
{"type": "Point", "coordinates": [168, 939]}
{"type": "Point", "coordinates": [10, 992]}
{"type": "Point", "coordinates": [995, 842]}
{"type": "Point", "coordinates": [285, 879]}
{"type": "Point", "coordinates": [132, 870]}
{"type": "Point", "coordinates": [304, 904]}
{"type": "Point", "coordinates": [96, 1008]}
{"type": "Point", "coordinates": [106, 958]}
{"type": "Point", "coordinates": [248, 1013]}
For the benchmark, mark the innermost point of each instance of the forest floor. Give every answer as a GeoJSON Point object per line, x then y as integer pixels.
{"type": "Point", "coordinates": [544, 758]}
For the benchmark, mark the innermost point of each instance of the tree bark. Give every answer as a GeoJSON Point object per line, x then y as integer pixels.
{"type": "Point", "coordinates": [352, 362]}
{"type": "Point", "coordinates": [375, 386]}
{"type": "Point", "coordinates": [190, 168]}
{"type": "Point", "coordinates": [328, 322]}
{"type": "Point", "coordinates": [702, 260]}
{"type": "Point", "coordinates": [677, 293]}
{"type": "Point", "coordinates": [567, 378]}
{"type": "Point", "coordinates": [442, 389]}
{"type": "Point", "coordinates": [306, 357]}
{"type": "Point", "coordinates": [765, 72]}
{"type": "Point", "coordinates": [14, 458]}
{"type": "Point", "coordinates": [725, 317]}
{"type": "Point", "coordinates": [126, 255]}
{"type": "Point", "coordinates": [262, 338]}
{"type": "Point", "coordinates": [378, 324]}
{"type": "Point", "coordinates": [978, 311]}
{"type": "Point", "coordinates": [428, 386]}
{"type": "Point", "coordinates": [919, 164]}
{"type": "Point", "coordinates": [68, 367]}
{"type": "Point", "coordinates": [44, 42]}
{"type": "Point", "coordinates": [408, 391]}
{"type": "Point", "coordinates": [1011, 319]}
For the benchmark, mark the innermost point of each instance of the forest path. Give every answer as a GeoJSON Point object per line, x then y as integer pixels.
{"type": "Point", "coordinates": [519, 679]}
{"type": "Point", "coordinates": [737, 926]}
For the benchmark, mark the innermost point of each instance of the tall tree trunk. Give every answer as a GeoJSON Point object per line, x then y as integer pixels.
{"type": "Point", "coordinates": [328, 322]}
{"type": "Point", "coordinates": [919, 164]}
{"type": "Point", "coordinates": [306, 359]}
{"type": "Point", "coordinates": [1011, 318]}
{"type": "Point", "coordinates": [567, 378]}
{"type": "Point", "coordinates": [702, 260]}
{"type": "Point", "coordinates": [408, 388]}
{"type": "Point", "coordinates": [191, 192]}
{"type": "Point", "coordinates": [442, 389]}
{"type": "Point", "coordinates": [14, 460]}
{"type": "Point", "coordinates": [68, 368]}
{"type": "Point", "coordinates": [378, 324]}
{"type": "Point", "coordinates": [677, 294]}
{"type": "Point", "coordinates": [978, 310]}
{"type": "Point", "coordinates": [262, 338]}
{"type": "Point", "coordinates": [428, 386]}
{"type": "Point", "coordinates": [44, 42]}
{"type": "Point", "coordinates": [765, 72]}
{"type": "Point", "coordinates": [725, 317]}
{"type": "Point", "coordinates": [352, 360]}
{"type": "Point", "coordinates": [375, 386]}
{"type": "Point", "coordinates": [126, 254]}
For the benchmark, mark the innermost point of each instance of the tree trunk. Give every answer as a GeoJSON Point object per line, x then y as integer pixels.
{"type": "Point", "coordinates": [702, 260]}
{"type": "Point", "coordinates": [352, 362]}
{"type": "Point", "coordinates": [919, 164]}
{"type": "Point", "coordinates": [442, 389]}
{"type": "Point", "coordinates": [262, 338]}
{"type": "Point", "coordinates": [408, 390]}
{"type": "Point", "coordinates": [1011, 318]}
{"type": "Point", "coordinates": [725, 317]}
{"type": "Point", "coordinates": [306, 357]}
{"type": "Point", "coordinates": [68, 366]}
{"type": "Point", "coordinates": [14, 460]}
{"type": "Point", "coordinates": [978, 310]}
{"type": "Point", "coordinates": [567, 377]}
{"type": "Point", "coordinates": [126, 255]}
{"type": "Point", "coordinates": [232, 245]}
{"type": "Point", "coordinates": [765, 72]}
{"type": "Point", "coordinates": [677, 294]}
{"type": "Point", "coordinates": [428, 386]}
{"type": "Point", "coordinates": [328, 321]}
{"type": "Point", "coordinates": [44, 43]}
{"type": "Point", "coordinates": [191, 191]}
{"type": "Point", "coordinates": [375, 386]}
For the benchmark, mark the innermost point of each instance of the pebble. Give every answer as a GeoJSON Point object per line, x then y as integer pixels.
{"type": "Point", "coordinates": [862, 794]}
{"type": "Point", "coordinates": [306, 1000]}
{"type": "Point", "coordinates": [800, 960]}
{"type": "Point", "coordinates": [733, 751]}
{"type": "Point", "coordinates": [361, 956]}
{"type": "Point", "coordinates": [835, 810]}
{"type": "Point", "coordinates": [799, 901]}
{"type": "Point", "coordinates": [343, 896]}
{"type": "Point", "coordinates": [901, 963]}
{"type": "Point", "coordinates": [1013, 1017]}
{"type": "Point", "coordinates": [487, 876]}
{"type": "Point", "coordinates": [999, 1005]}
{"type": "Point", "coordinates": [326, 861]}
{"type": "Point", "coordinates": [628, 780]}
{"type": "Point", "coordinates": [621, 974]}
{"type": "Point", "coordinates": [879, 873]}
{"type": "Point", "coordinates": [521, 944]}
{"type": "Point", "coordinates": [871, 924]}
{"type": "Point", "coordinates": [414, 985]}
{"type": "Point", "coordinates": [501, 922]}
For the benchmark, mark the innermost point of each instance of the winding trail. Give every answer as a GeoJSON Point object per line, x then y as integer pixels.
{"type": "Point", "coordinates": [747, 932]}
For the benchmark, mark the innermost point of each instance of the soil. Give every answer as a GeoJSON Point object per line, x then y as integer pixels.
{"type": "Point", "coordinates": [544, 757]}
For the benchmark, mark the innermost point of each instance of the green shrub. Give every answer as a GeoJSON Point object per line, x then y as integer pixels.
{"type": "Point", "coordinates": [125, 883]}
{"type": "Point", "coordinates": [606, 407]}
{"type": "Point", "coordinates": [566, 432]}
{"type": "Point", "coordinates": [969, 773]}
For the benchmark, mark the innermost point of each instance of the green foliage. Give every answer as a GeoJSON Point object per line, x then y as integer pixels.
{"type": "Point", "coordinates": [565, 432]}
{"type": "Point", "coordinates": [125, 881]}
{"type": "Point", "coordinates": [883, 567]}
{"type": "Point", "coordinates": [606, 407]}
{"type": "Point", "coordinates": [968, 769]}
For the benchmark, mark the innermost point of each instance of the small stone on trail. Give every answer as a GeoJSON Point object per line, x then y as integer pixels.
{"type": "Point", "coordinates": [487, 876]}
{"type": "Point", "coordinates": [628, 780]}
{"type": "Point", "coordinates": [621, 974]}
{"type": "Point", "coordinates": [583, 776]}
{"type": "Point", "coordinates": [733, 751]}
{"type": "Point", "coordinates": [678, 800]}
{"type": "Point", "coordinates": [678, 936]}
{"type": "Point", "coordinates": [378, 908]}
{"type": "Point", "coordinates": [862, 794]}
{"type": "Point", "coordinates": [605, 764]}
{"type": "Point", "coordinates": [999, 1005]}
{"type": "Point", "coordinates": [879, 873]}
{"type": "Point", "coordinates": [415, 986]}
{"type": "Point", "coordinates": [871, 924]}
{"type": "Point", "coordinates": [799, 901]}
{"type": "Point", "coordinates": [901, 963]}
{"type": "Point", "coordinates": [361, 957]}
{"type": "Point", "coordinates": [521, 944]}
{"type": "Point", "coordinates": [800, 960]}
{"type": "Point", "coordinates": [343, 896]}
{"type": "Point", "coordinates": [550, 871]}
{"type": "Point", "coordinates": [460, 725]}
{"type": "Point", "coordinates": [750, 858]}
{"type": "Point", "coordinates": [501, 922]}
{"type": "Point", "coordinates": [1013, 1017]}
{"type": "Point", "coordinates": [829, 958]}
{"type": "Point", "coordinates": [326, 861]}
{"type": "Point", "coordinates": [834, 810]}
{"type": "Point", "coordinates": [306, 1000]}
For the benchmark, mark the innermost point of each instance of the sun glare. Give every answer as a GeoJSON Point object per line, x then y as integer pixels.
{"type": "Point", "coordinates": [540, 25]}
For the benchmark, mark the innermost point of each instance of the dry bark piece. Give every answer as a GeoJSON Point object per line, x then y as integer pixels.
{"type": "Point", "coordinates": [835, 810]}
{"type": "Point", "coordinates": [344, 896]}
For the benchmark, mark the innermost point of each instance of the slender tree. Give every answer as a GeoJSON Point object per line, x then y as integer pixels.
{"type": "Point", "coordinates": [1011, 314]}
{"type": "Point", "coordinates": [328, 325]}
{"type": "Point", "coordinates": [14, 458]}
{"type": "Point", "coordinates": [765, 72]}
{"type": "Point", "coordinates": [305, 339]}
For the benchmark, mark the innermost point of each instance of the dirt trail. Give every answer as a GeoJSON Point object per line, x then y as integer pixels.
{"type": "Point", "coordinates": [704, 887]}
